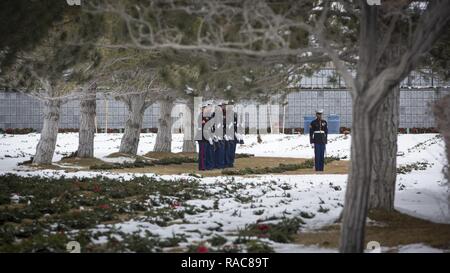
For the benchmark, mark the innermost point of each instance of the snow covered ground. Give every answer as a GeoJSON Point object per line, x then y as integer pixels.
{"type": "Point", "coordinates": [420, 193]}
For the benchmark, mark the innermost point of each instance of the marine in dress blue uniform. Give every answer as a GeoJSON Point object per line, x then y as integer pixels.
{"type": "Point", "coordinates": [210, 147]}
{"type": "Point", "coordinates": [236, 141]}
{"type": "Point", "coordinates": [226, 139]}
{"type": "Point", "coordinates": [202, 145]}
{"type": "Point", "coordinates": [230, 137]}
{"type": "Point", "coordinates": [318, 136]}
{"type": "Point", "coordinates": [206, 145]}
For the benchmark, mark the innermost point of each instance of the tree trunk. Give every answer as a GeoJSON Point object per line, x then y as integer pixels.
{"type": "Point", "coordinates": [384, 153]}
{"type": "Point", "coordinates": [164, 136]}
{"type": "Point", "coordinates": [130, 140]}
{"type": "Point", "coordinates": [88, 106]}
{"type": "Point", "coordinates": [188, 140]}
{"type": "Point", "coordinates": [358, 184]}
{"type": "Point", "coordinates": [49, 134]}
{"type": "Point", "coordinates": [442, 115]}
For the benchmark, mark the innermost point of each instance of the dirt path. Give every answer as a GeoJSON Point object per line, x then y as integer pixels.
{"type": "Point", "coordinates": [335, 167]}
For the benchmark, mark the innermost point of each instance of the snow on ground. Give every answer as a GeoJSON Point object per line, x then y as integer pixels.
{"type": "Point", "coordinates": [293, 146]}
{"type": "Point", "coordinates": [18, 148]}
{"type": "Point", "coordinates": [420, 193]}
{"type": "Point", "coordinates": [418, 248]}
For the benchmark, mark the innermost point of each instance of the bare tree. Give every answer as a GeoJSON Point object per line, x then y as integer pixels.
{"type": "Point", "coordinates": [54, 73]}
{"type": "Point", "coordinates": [183, 81]}
{"type": "Point", "coordinates": [135, 87]}
{"type": "Point", "coordinates": [49, 133]}
{"type": "Point", "coordinates": [441, 112]}
{"type": "Point", "coordinates": [384, 157]}
{"type": "Point", "coordinates": [164, 136]}
{"type": "Point", "coordinates": [88, 105]}
{"type": "Point", "coordinates": [189, 128]}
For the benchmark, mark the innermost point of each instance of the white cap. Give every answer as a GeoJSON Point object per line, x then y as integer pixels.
{"type": "Point", "coordinates": [320, 111]}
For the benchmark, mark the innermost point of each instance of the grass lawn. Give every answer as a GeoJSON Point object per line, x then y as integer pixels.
{"type": "Point", "coordinates": [389, 229]}
{"type": "Point", "coordinates": [68, 164]}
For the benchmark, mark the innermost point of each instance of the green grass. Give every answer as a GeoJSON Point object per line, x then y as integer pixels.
{"type": "Point", "coordinates": [139, 163]}
{"type": "Point", "coordinates": [281, 168]}
{"type": "Point", "coordinates": [417, 166]}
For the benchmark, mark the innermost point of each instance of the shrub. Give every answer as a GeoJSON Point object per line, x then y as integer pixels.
{"type": "Point", "coordinates": [281, 232]}
{"type": "Point", "coordinates": [418, 130]}
{"type": "Point", "coordinates": [18, 131]}
{"type": "Point", "coordinates": [139, 163]}
{"type": "Point", "coordinates": [50, 206]}
{"type": "Point", "coordinates": [417, 166]}
{"type": "Point", "coordinates": [217, 240]}
{"type": "Point", "coordinates": [243, 156]}
{"type": "Point", "coordinates": [255, 246]}
{"type": "Point", "coordinates": [174, 160]}
{"type": "Point", "coordinates": [68, 130]}
{"type": "Point", "coordinates": [344, 130]}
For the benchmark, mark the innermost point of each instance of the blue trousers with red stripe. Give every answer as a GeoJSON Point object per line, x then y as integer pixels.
{"type": "Point", "coordinates": [319, 156]}
{"type": "Point", "coordinates": [209, 156]}
{"type": "Point", "coordinates": [201, 155]}
{"type": "Point", "coordinates": [205, 155]}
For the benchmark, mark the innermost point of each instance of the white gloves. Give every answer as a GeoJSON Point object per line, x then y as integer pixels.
{"type": "Point", "coordinates": [210, 141]}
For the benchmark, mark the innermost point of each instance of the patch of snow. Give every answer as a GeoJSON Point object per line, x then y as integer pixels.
{"type": "Point", "coordinates": [418, 248]}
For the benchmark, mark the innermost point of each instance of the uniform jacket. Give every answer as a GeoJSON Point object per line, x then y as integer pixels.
{"type": "Point", "coordinates": [224, 122]}
{"type": "Point", "coordinates": [318, 132]}
{"type": "Point", "coordinates": [204, 121]}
